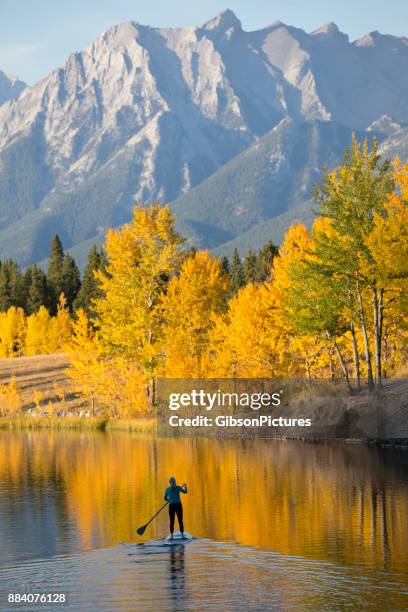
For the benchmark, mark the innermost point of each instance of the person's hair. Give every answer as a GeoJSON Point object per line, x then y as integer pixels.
{"type": "Point", "coordinates": [172, 482]}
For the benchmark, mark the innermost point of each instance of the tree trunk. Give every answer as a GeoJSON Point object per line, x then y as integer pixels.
{"type": "Point", "coordinates": [380, 327]}
{"type": "Point", "coordinates": [356, 358]}
{"type": "Point", "coordinates": [309, 376]}
{"type": "Point", "coordinates": [377, 312]}
{"type": "Point", "coordinates": [93, 403]}
{"type": "Point", "coordinates": [343, 364]}
{"type": "Point", "coordinates": [331, 365]}
{"type": "Point", "coordinates": [151, 393]}
{"type": "Point", "coordinates": [366, 342]}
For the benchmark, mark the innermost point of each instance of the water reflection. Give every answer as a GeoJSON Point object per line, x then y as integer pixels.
{"type": "Point", "coordinates": [65, 492]}
{"type": "Point", "coordinates": [177, 576]}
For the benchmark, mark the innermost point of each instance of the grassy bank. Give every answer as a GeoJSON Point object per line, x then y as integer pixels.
{"type": "Point", "coordinates": [44, 388]}
{"type": "Point", "coordinates": [19, 423]}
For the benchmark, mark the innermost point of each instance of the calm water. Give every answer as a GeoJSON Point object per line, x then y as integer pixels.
{"type": "Point", "coordinates": [277, 525]}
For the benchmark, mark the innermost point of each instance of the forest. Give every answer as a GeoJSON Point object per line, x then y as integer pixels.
{"type": "Point", "coordinates": [330, 303]}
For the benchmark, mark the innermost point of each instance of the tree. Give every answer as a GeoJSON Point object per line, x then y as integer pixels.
{"type": "Point", "coordinates": [12, 332]}
{"type": "Point", "coordinates": [264, 262]}
{"type": "Point", "coordinates": [247, 340]}
{"type": "Point", "coordinates": [351, 196]}
{"type": "Point", "coordinates": [90, 288]}
{"type": "Point", "coordinates": [314, 304]}
{"type": "Point", "coordinates": [37, 337]}
{"type": "Point", "coordinates": [302, 350]}
{"type": "Point", "coordinates": [236, 272]}
{"type": "Point", "coordinates": [55, 274]}
{"type": "Point", "coordinates": [60, 327]}
{"type": "Point", "coordinates": [326, 240]}
{"type": "Point", "coordinates": [142, 256]}
{"type": "Point", "coordinates": [35, 281]}
{"type": "Point", "coordinates": [86, 367]}
{"type": "Point", "coordinates": [225, 265]}
{"type": "Point", "coordinates": [11, 285]}
{"type": "Point", "coordinates": [10, 398]}
{"type": "Point", "coordinates": [70, 279]}
{"type": "Point", "coordinates": [192, 298]}
{"type": "Point", "coordinates": [388, 241]}
{"type": "Point", "coordinates": [250, 267]}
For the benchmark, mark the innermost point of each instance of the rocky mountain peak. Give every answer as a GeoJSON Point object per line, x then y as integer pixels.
{"type": "Point", "coordinates": [224, 21]}
{"type": "Point", "coordinates": [385, 125]}
{"type": "Point", "coordinates": [329, 31]}
{"type": "Point", "coordinates": [10, 87]}
{"type": "Point", "coordinates": [147, 114]}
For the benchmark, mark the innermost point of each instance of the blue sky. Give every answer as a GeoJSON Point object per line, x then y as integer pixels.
{"type": "Point", "coordinates": [37, 35]}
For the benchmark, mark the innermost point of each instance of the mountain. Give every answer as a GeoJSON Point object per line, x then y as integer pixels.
{"type": "Point", "coordinates": [271, 178]}
{"type": "Point", "coordinates": [149, 114]}
{"type": "Point", "coordinates": [10, 87]}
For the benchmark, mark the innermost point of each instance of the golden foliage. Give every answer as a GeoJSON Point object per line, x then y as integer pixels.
{"type": "Point", "coordinates": [142, 256]}
{"type": "Point", "coordinates": [247, 341]}
{"type": "Point", "coordinates": [189, 304]}
{"type": "Point", "coordinates": [10, 398]}
{"type": "Point", "coordinates": [12, 332]}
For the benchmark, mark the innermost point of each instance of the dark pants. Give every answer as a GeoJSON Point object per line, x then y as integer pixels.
{"type": "Point", "coordinates": [173, 510]}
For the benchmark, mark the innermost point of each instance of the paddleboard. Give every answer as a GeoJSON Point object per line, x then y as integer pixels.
{"type": "Point", "coordinates": [177, 539]}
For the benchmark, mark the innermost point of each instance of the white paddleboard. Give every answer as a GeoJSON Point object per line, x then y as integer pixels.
{"type": "Point", "coordinates": [177, 539]}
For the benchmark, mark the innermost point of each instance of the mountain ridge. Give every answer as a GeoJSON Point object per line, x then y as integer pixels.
{"type": "Point", "coordinates": [10, 87]}
{"type": "Point", "coordinates": [148, 114]}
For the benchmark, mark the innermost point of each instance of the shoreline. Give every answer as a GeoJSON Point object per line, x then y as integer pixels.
{"type": "Point", "coordinates": [48, 402]}
{"type": "Point", "coordinates": [75, 423]}
{"type": "Point", "coordinates": [148, 425]}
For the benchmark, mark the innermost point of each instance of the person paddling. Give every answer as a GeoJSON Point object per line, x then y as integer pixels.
{"type": "Point", "coordinates": [172, 496]}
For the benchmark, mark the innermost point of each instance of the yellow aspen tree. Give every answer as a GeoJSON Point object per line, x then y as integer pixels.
{"type": "Point", "coordinates": [86, 369]}
{"type": "Point", "coordinates": [60, 327]}
{"type": "Point", "coordinates": [388, 247]}
{"type": "Point", "coordinates": [123, 388]}
{"type": "Point", "coordinates": [10, 398]}
{"type": "Point", "coordinates": [142, 256]}
{"type": "Point", "coordinates": [38, 327]}
{"type": "Point", "coordinates": [301, 350]}
{"type": "Point", "coordinates": [192, 298]}
{"type": "Point", "coordinates": [388, 240]}
{"type": "Point", "coordinates": [351, 196]}
{"type": "Point", "coordinates": [247, 341]}
{"type": "Point", "coordinates": [12, 332]}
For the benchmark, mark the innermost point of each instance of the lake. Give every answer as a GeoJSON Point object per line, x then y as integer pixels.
{"type": "Point", "coordinates": [278, 525]}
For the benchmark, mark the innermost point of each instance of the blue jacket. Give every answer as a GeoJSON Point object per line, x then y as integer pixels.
{"type": "Point", "coordinates": [172, 494]}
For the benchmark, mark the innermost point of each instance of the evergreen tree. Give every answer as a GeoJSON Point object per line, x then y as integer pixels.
{"type": "Point", "coordinates": [35, 281]}
{"type": "Point", "coordinates": [250, 267]}
{"type": "Point", "coordinates": [90, 290]}
{"type": "Point", "coordinates": [54, 274]}
{"type": "Point", "coordinates": [71, 280]}
{"type": "Point", "coordinates": [236, 273]}
{"type": "Point", "coordinates": [264, 262]}
{"type": "Point", "coordinates": [11, 285]}
{"type": "Point", "coordinates": [26, 284]}
{"type": "Point", "coordinates": [225, 265]}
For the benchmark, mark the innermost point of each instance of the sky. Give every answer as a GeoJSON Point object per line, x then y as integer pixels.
{"type": "Point", "coordinates": [36, 36]}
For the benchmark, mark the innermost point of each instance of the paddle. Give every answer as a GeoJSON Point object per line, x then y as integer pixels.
{"type": "Point", "coordinates": [142, 529]}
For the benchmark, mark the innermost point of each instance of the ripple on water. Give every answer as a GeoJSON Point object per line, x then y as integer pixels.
{"type": "Point", "coordinates": [203, 575]}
